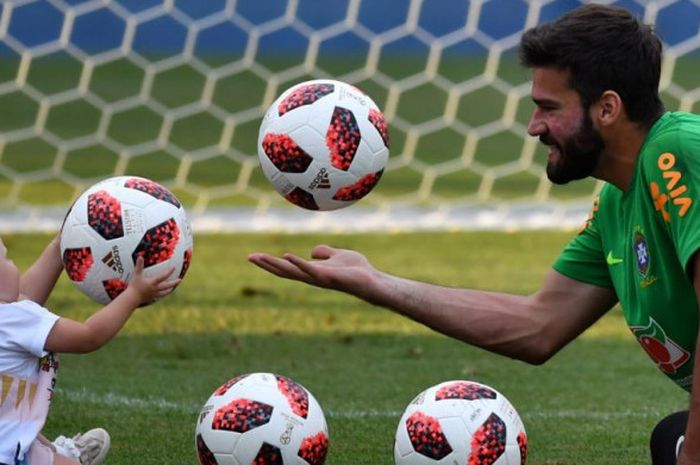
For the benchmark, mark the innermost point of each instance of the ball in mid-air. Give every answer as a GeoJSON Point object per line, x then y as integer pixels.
{"type": "Point", "coordinates": [261, 419]}
{"type": "Point", "coordinates": [117, 220]}
{"type": "Point", "coordinates": [323, 144]}
{"type": "Point", "coordinates": [460, 422]}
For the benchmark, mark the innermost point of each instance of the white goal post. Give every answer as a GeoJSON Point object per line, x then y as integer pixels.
{"type": "Point", "coordinates": [174, 90]}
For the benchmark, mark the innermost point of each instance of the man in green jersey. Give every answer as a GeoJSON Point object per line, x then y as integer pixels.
{"type": "Point", "coordinates": [595, 84]}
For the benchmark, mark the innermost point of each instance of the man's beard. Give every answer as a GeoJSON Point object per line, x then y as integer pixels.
{"type": "Point", "coordinates": [578, 156]}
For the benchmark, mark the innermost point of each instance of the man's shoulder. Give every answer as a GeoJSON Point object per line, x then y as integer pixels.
{"type": "Point", "coordinates": [672, 144]}
{"type": "Point", "coordinates": [682, 118]}
{"type": "Point", "coordinates": [608, 193]}
{"type": "Point", "coordinates": [674, 129]}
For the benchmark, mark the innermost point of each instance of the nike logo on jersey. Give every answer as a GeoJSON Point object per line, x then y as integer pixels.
{"type": "Point", "coordinates": [612, 260]}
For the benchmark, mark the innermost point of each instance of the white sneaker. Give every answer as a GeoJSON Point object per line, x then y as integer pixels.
{"type": "Point", "coordinates": [90, 448]}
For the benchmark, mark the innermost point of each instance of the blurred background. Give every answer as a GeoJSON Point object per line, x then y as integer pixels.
{"type": "Point", "coordinates": [175, 91]}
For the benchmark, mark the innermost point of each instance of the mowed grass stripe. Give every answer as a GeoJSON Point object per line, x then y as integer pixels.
{"type": "Point", "coordinates": [138, 403]}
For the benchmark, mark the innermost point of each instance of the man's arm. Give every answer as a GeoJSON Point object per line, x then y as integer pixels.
{"type": "Point", "coordinates": [39, 280]}
{"type": "Point", "coordinates": [530, 328]}
{"type": "Point", "coordinates": [690, 453]}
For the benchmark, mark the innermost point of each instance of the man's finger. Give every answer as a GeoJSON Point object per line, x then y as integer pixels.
{"type": "Point", "coordinates": [322, 251]}
{"type": "Point", "coordinates": [305, 266]}
{"type": "Point", "coordinates": [281, 268]}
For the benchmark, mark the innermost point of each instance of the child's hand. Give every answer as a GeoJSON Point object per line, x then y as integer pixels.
{"type": "Point", "coordinates": [147, 289]}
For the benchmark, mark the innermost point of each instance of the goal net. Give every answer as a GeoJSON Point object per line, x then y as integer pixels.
{"type": "Point", "coordinates": [174, 90]}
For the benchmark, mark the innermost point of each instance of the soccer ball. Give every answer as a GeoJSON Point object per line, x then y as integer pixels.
{"type": "Point", "coordinates": [460, 422]}
{"type": "Point", "coordinates": [115, 221]}
{"type": "Point", "coordinates": [323, 144]}
{"type": "Point", "coordinates": [261, 419]}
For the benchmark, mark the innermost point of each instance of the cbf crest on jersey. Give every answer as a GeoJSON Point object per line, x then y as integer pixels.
{"type": "Point", "coordinates": [641, 252]}
{"type": "Point", "coordinates": [642, 257]}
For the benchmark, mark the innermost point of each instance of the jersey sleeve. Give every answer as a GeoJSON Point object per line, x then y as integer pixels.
{"type": "Point", "coordinates": [673, 177]}
{"type": "Point", "coordinates": [583, 259]}
{"type": "Point", "coordinates": [25, 327]}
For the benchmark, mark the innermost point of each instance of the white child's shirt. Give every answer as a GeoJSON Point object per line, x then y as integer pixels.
{"type": "Point", "coordinates": [27, 375]}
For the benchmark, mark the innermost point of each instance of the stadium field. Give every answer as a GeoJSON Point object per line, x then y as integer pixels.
{"type": "Point", "coordinates": [594, 403]}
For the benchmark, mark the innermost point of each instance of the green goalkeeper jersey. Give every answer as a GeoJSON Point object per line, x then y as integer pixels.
{"type": "Point", "coordinates": [640, 243]}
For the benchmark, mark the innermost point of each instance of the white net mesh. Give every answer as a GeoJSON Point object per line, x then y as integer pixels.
{"type": "Point", "coordinates": [175, 91]}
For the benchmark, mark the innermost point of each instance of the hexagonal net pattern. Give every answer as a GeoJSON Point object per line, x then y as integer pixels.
{"type": "Point", "coordinates": [175, 90]}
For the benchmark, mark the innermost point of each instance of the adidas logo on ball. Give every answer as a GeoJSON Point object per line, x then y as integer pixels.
{"type": "Point", "coordinates": [321, 181]}
{"type": "Point", "coordinates": [113, 260]}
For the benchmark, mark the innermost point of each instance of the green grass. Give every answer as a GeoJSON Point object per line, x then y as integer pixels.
{"type": "Point", "coordinates": [594, 403]}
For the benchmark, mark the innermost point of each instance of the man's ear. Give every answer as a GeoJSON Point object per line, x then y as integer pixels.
{"type": "Point", "coordinates": [608, 109]}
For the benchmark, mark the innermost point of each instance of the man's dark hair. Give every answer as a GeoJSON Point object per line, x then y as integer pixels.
{"type": "Point", "coordinates": [603, 48]}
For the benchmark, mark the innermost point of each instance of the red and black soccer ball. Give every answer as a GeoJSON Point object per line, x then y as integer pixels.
{"type": "Point", "coordinates": [460, 422]}
{"type": "Point", "coordinates": [261, 419]}
{"type": "Point", "coordinates": [117, 220]}
{"type": "Point", "coordinates": [323, 144]}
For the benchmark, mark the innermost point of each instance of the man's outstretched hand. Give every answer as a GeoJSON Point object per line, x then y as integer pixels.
{"type": "Point", "coordinates": [331, 268]}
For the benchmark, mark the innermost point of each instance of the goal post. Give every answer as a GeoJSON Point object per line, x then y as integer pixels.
{"type": "Point", "coordinates": [174, 90]}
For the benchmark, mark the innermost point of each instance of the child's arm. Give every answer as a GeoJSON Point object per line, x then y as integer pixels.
{"type": "Point", "coordinates": [69, 336]}
{"type": "Point", "coordinates": [39, 280]}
